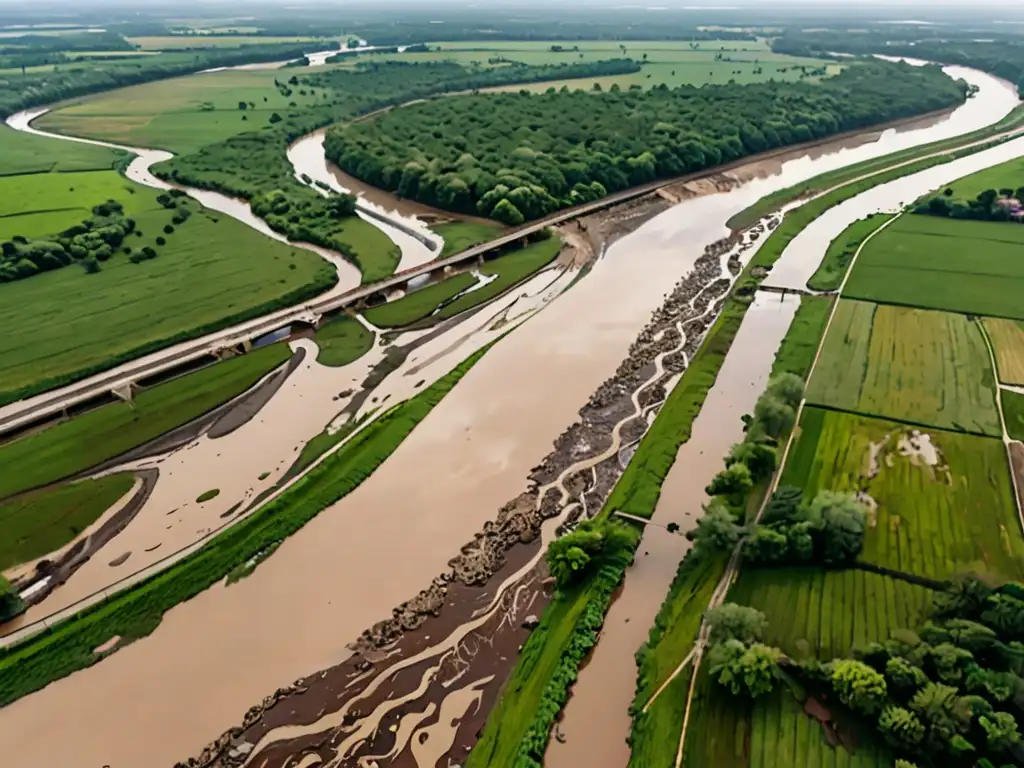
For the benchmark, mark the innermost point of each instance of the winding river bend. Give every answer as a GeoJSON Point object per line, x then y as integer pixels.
{"type": "Point", "coordinates": [163, 698]}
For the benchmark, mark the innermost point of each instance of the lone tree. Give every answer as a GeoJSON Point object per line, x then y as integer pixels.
{"type": "Point", "coordinates": [11, 603]}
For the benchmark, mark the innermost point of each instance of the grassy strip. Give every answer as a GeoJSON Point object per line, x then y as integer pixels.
{"type": "Point", "coordinates": [800, 344]}
{"type": "Point", "coordinates": [655, 735]}
{"type": "Point", "coordinates": [209, 495]}
{"type": "Point", "coordinates": [94, 437]}
{"type": "Point", "coordinates": [138, 611]}
{"type": "Point", "coordinates": [420, 303]}
{"type": "Point", "coordinates": [1013, 412]}
{"type": "Point", "coordinates": [42, 522]}
{"type": "Point", "coordinates": [840, 252]}
{"type": "Point", "coordinates": [326, 279]}
{"type": "Point", "coordinates": [461, 235]}
{"type": "Point", "coordinates": [776, 200]}
{"type": "Point", "coordinates": [343, 340]}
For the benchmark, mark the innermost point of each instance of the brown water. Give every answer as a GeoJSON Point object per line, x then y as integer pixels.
{"type": "Point", "coordinates": [162, 698]}
{"type": "Point", "coordinates": [609, 678]}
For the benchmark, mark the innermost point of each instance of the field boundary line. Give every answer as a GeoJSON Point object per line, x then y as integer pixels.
{"type": "Point", "coordinates": [1002, 423]}
{"type": "Point", "coordinates": [898, 420]}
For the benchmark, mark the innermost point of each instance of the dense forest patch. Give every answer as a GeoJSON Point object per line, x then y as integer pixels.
{"type": "Point", "coordinates": [521, 156]}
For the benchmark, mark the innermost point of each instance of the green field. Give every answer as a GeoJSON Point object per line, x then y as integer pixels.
{"type": "Point", "coordinates": [840, 253]}
{"type": "Point", "coordinates": [212, 270]}
{"type": "Point", "coordinates": [343, 340]}
{"type": "Point", "coordinates": [183, 42]}
{"type": "Point", "coordinates": [800, 344]}
{"type": "Point", "coordinates": [182, 114]}
{"type": "Point", "coordinates": [420, 303]}
{"type": "Point", "coordinates": [927, 261]}
{"type": "Point", "coordinates": [670, 62]}
{"type": "Point", "coordinates": [26, 153]}
{"type": "Point", "coordinates": [84, 441]}
{"type": "Point", "coordinates": [1007, 338]}
{"type": "Point", "coordinates": [38, 206]}
{"type": "Point", "coordinates": [460, 235]}
{"type": "Point", "coordinates": [42, 522]}
{"type": "Point", "coordinates": [1005, 175]}
{"type": "Point", "coordinates": [915, 365]}
{"type": "Point", "coordinates": [957, 515]}
{"type": "Point", "coordinates": [1013, 412]}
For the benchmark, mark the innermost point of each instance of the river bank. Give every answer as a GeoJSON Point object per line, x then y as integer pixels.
{"type": "Point", "coordinates": [396, 531]}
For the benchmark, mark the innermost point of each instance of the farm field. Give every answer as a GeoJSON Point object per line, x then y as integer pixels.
{"type": "Point", "coordinates": [91, 438]}
{"type": "Point", "coordinates": [960, 266]}
{"type": "Point", "coordinates": [1013, 412]}
{"type": "Point", "coordinates": [1007, 337]}
{"type": "Point", "coordinates": [211, 269]}
{"type": "Point", "coordinates": [1005, 175]}
{"type": "Point", "coordinates": [943, 507]}
{"type": "Point", "coordinates": [43, 204]}
{"type": "Point", "coordinates": [24, 153]}
{"type": "Point", "coordinates": [182, 114]}
{"type": "Point", "coordinates": [667, 62]}
{"type": "Point", "coordinates": [919, 366]}
{"type": "Point", "coordinates": [42, 522]}
{"type": "Point", "coordinates": [840, 253]}
{"type": "Point", "coordinates": [185, 42]}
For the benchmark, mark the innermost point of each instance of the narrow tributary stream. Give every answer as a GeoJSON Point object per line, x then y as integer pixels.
{"type": "Point", "coordinates": [162, 698]}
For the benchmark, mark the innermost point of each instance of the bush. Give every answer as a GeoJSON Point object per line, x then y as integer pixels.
{"type": "Point", "coordinates": [730, 621]}
{"type": "Point", "coordinates": [168, 229]}
{"type": "Point", "coordinates": [161, 241]}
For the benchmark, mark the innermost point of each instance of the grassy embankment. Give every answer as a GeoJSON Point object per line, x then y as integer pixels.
{"type": "Point", "coordinates": [775, 201]}
{"type": "Point", "coordinates": [22, 153]}
{"type": "Point", "coordinates": [39, 523]}
{"type": "Point", "coordinates": [137, 612]}
{"type": "Point", "coordinates": [342, 340]}
{"type": "Point", "coordinates": [84, 441]}
{"type": "Point", "coordinates": [211, 272]}
{"type": "Point", "coordinates": [509, 269]}
{"type": "Point", "coordinates": [840, 252]}
{"type": "Point", "coordinates": [460, 235]}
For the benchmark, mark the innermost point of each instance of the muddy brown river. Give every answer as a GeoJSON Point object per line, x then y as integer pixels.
{"type": "Point", "coordinates": [163, 698]}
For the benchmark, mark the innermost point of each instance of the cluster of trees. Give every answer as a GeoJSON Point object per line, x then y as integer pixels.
{"type": "Point", "coordinates": [989, 205]}
{"type": "Point", "coordinates": [951, 692]}
{"type": "Point", "coordinates": [1000, 55]}
{"type": "Point", "coordinates": [33, 89]}
{"type": "Point", "coordinates": [574, 556]}
{"type": "Point", "coordinates": [11, 603]}
{"type": "Point", "coordinates": [531, 154]}
{"type": "Point", "coordinates": [89, 243]}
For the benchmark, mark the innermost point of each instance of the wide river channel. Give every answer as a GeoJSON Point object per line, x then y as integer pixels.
{"type": "Point", "coordinates": [163, 698]}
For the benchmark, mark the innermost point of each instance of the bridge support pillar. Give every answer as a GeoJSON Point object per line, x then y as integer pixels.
{"type": "Point", "coordinates": [124, 392]}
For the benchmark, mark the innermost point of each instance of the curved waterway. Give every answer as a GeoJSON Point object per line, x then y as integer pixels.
{"type": "Point", "coordinates": [163, 698]}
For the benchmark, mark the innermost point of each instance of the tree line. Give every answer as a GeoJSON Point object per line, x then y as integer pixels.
{"type": "Point", "coordinates": [520, 156]}
{"type": "Point", "coordinates": [988, 205]}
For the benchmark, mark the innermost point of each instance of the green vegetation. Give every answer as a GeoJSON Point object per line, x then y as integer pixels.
{"type": "Point", "coordinates": [1008, 175]}
{"type": "Point", "coordinates": [211, 272]}
{"type": "Point", "coordinates": [39, 523]}
{"type": "Point", "coordinates": [919, 366]}
{"type": "Point", "coordinates": [24, 153]}
{"type": "Point", "coordinates": [841, 251]}
{"type": "Point", "coordinates": [461, 235]}
{"type": "Point", "coordinates": [943, 500]}
{"type": "Point", "coordinates": [960, 266]}
{"type": "Point", "coordinates": [91, 438]}
{"type": "Point", "coordinates": [343, 340]}
{"type": "Point", "coordinates": [11, 603]}
{"type": "Point", "coordinates": [209, 495]}
{"type": "Point", "coordinates": [135, 613]}
{"type": "Point", "coordinates": [438, 301]}
{"type": "Point", "coordinates": [1007, 337]}
{"type": "Point", "coordinates": [800, 344]}
{"type": "Point", "coordinates": [495, 175]}
{"type": "Point", "coordinates": [420, 303]}
{"type": "Point", "coordinates": [1013, 413]}
{"type": "Point", "coordinates": [205, 41]}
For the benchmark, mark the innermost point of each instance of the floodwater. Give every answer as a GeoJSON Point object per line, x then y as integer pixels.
{"type": "Point", "coordinates": [307, 157]}
{"type": "Point", "coordinates": [161, 699]}
{"type": "Point", "coordinates": [605, 685]}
